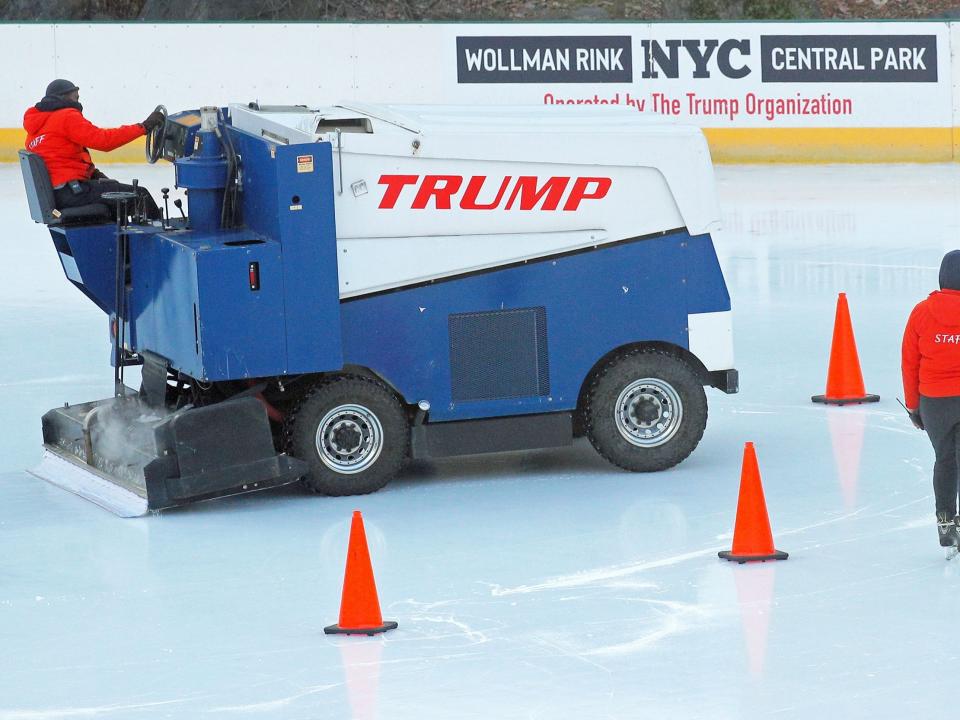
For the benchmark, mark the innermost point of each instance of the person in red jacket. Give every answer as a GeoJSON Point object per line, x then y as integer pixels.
{"type": "Point", "coordinates": [931, 386]}
{"type": "Point", "coordinates": [58, 132]}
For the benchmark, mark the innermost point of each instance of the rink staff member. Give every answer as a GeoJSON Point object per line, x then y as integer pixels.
{"type": "Point", "coordinates": [931, 386]}
{"type": "Point", "coordinates": [58, 132]}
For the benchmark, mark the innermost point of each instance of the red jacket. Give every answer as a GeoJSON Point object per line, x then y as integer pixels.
{"type": "Point", "coordinates": [61, 138]}
{"type": "Point", "coordinates": [931, 348]}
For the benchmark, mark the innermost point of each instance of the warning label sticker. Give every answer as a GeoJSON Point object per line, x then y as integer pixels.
{"type": "Point", "coordinates": [304, 163]}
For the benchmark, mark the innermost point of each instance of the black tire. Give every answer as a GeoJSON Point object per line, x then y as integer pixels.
{"type": "Point", "coordinates": [651, 396]}
{"type": "Point", "coordinates": [363, 431]}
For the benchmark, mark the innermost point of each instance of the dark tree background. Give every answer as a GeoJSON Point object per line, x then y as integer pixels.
{"type": "Point", "coordinates": [422, 10]}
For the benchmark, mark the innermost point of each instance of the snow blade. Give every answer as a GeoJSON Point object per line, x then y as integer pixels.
{"type": "Point", "coordinates": [71, 474]}
{"type": "Point", "coordinates": [130, 458]}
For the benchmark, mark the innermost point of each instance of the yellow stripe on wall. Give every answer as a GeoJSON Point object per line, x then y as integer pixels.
{"type": "Point", "coordinates": [11, 140]}
{"type": "Point", "coordinates": [727, 145]}
{"type": "Point", "coordinates": [833, 145]}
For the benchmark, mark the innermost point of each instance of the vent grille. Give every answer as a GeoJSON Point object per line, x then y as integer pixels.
{"type": "Point", "coordinates": [500, 354]}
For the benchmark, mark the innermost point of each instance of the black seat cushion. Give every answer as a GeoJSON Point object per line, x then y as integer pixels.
{"type": "Point", "coordinates": [94, 212]}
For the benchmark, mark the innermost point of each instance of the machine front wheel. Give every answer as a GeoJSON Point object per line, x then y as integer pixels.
{"type": "Point", "coordinates": [352, 432]}
{"type": "Point", "coordinates": [645, 411]}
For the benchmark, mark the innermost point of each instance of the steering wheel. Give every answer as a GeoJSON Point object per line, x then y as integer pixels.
{"type": "Point", "coordinates": [154, 144]}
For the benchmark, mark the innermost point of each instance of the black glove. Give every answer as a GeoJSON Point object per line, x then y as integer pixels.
{"type": "Point", "coordinates": [154, 119]}
{"type": "Point", "coordinates": [915, 419]}
{"type": "Point", "coordinates": [98, 175]}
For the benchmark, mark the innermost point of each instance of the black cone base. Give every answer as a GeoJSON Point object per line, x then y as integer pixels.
{"type": "Point", "coordinates": [728, 555]}
{"type": "Point", "coordinates": [845, 401]}
{"type": "Point", "coordinates": [337, 630]}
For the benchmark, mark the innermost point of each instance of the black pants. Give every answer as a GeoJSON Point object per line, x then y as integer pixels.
{"type": "Point", "coordinates": [92, 190]}
{"type": "Point", "coordinates": [941, 419]}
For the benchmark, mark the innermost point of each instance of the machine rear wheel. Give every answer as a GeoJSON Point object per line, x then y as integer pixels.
{"type": "Point", "coordinates": [645, 411]}
{"type": "Point", "coordinates": [352, 432]}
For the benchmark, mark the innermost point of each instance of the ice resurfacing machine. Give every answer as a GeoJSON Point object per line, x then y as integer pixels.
{"type": "Point", "coordinates": [357, 285]}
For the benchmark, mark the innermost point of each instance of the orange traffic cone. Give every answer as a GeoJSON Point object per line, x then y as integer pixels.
{"type": "Point", "coordinates": [359, 606]}
{"type": "Point", "coordinates": [844, 379]}
{"type": "Point", "coordinates": [752, 539]}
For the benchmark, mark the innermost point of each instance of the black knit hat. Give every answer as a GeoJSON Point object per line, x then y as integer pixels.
{"type": "Point", "coordinates": [60, 87]}
{"type": "Point", "coordinates": [950, 271]}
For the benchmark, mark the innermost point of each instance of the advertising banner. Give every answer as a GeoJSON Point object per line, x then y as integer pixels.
{"type": "Point", "coordinates": [762, 92]}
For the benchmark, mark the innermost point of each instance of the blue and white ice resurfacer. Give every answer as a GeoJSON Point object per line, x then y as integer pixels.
{"type": "Point", "coordinates": [353, 286]}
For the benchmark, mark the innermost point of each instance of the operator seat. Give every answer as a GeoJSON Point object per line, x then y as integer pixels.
{"type": "Point", "coordinates": [36, 181]}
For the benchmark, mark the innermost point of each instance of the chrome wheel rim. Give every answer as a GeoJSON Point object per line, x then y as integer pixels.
{"type": "Point", "coordinates": [648, 412]}
{"type": "Point", "coordinates": [349, 439]}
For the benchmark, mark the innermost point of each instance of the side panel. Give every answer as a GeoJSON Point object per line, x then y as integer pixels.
{"type": "Point", "coordinates": [711, 339]}
{"type": "Point", "coordinates": [710, 320]}
{"type": "Point", "coordinates": [707, 291]}
{"type": "Point", "coordinates": [259, 197]}
{"type": "Point", "coordinates": [288, 196]}
{"type": "Point", "coordinates": [416, 196]}
{"type": "Point", "coordinates": [165, 303]}
{"type": "Point", "coordinates": [592, 301]}
{"type": "Point", "coordinates": [88, 255]}
{"type": "Point", "coordinates": [369, 265]}
{"type": "Point", "coordinates": [241, 329]}
{"type": "Point", "coordinates": [308, 235]}
{"type": "Point", "coordinates": [193, 304]}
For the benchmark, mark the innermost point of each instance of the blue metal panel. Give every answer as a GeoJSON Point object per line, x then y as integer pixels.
{"type": "Point", "coordinates": [284, 200]}
{"type": "Point", "coordinates": [192, 303]}
{"type": "Point", "coordinates": [706, 289]}
{"type": "Point", "coordinates": [595, 301]}
{"type": "Point", "coordinates": [499, 354]}
{"type": "Point", "coordinates": [94, 251]}
{"type": "Point", "coordinates": [259, 198]}
{"type": "Point", "coordinates": [164, 300]}
{"type": "Point", "coordinates": [309, 238]}
{"type": "Point", "coordinates": [241, 330]}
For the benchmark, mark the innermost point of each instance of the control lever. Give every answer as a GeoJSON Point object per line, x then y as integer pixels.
{"type": "Point", "coordinates": [136, 218]}
{"type": "Point", "coordinates": [166, 207]}
{"type": "Point", "coordinates": [178, 204]}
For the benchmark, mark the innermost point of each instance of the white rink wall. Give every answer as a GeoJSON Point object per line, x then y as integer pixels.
{"type": "Point", "coordinates": [801, 92]}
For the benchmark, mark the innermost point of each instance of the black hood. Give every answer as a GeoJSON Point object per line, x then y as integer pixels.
{"type": "Point", "coordinates": [56, 102]}
{"type": "Point", "coordinates": [950, 271]}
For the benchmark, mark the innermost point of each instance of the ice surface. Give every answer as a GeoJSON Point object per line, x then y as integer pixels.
{"type": "Point", "coordinates": [540, 585]}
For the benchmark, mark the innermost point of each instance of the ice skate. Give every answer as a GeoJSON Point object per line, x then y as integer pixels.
{"type": "Point", "coordinates": [947, 529]}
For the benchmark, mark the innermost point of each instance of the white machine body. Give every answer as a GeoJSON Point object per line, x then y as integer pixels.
{"type": "Point", "coordinates": [429, 192]}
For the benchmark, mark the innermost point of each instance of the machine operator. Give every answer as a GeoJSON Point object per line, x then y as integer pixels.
{"type": "Point", "coordinates": [58, 132]}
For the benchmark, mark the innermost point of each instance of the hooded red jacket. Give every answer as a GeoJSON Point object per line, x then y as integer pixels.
{"type": "Point", "coordinates": [61, 137]}
{"type": "Point", "coordinates": [931, 348]}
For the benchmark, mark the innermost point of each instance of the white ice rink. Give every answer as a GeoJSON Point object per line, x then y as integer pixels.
{"type": "Point", "coordinates": [541, 585]}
